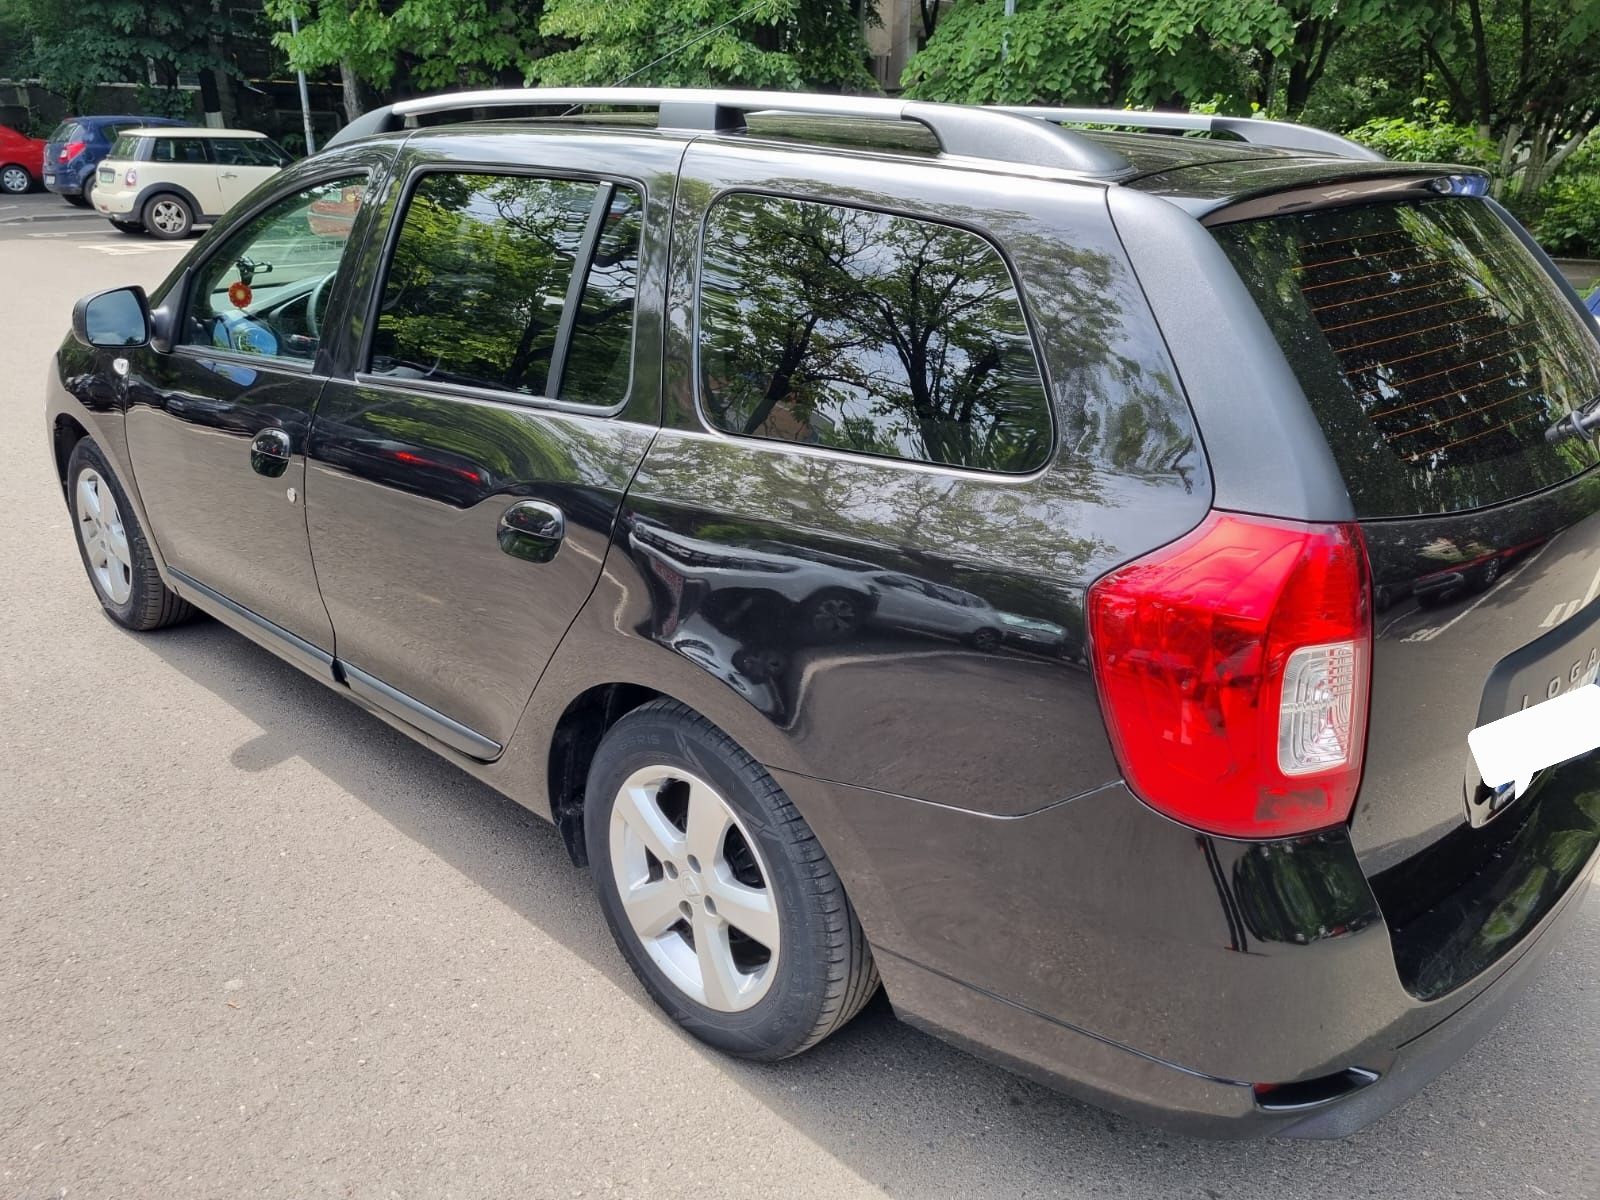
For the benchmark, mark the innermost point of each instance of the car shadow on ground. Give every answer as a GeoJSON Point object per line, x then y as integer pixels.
{"type": "Point", "coordinates": [901, 1109]}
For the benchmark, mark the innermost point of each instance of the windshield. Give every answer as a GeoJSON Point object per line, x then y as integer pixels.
{"type": "Point", "coordinates": [1433, 347]}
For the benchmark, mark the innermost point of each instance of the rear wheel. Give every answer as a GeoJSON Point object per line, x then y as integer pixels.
{"type": "Point", "coordinates": [716, 890]}
{"type": "Point", "coordinates": [15, 180]}
{"type": "Point", "coordinates": [77, 201]}
{"type": "Point", "coordinates": [113, 546]}
{"type": "Point", "coordinates": [168, 216]}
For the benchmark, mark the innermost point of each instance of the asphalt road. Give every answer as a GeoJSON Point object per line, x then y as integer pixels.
{"type": "Point", "coordinates": [253, 943]}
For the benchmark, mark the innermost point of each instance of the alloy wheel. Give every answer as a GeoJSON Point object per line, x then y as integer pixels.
{"type": "Point", "coordinates": [694, 888]}
{"type": "Point", "coordinates": [15, 181]}
{"type": "Point", "coordinates": [105, 540]}
{"type": "Point", "coordinates": [167, 216]}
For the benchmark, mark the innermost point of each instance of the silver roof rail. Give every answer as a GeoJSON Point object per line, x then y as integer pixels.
{"type": "Point", "coordinates": [964, 130]}
{"type": "Point", "coordinates": [1258, 132]}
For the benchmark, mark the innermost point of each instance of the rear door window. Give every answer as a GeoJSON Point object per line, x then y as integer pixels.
{"type": "Point", "coordinates": [1433, 347]}
{"type": "Point", "coordinates": [180, 150]}
{"type": "Point", "coordinates": [867, 331]}
{"type": "Point", "coordinates": [514, 283]}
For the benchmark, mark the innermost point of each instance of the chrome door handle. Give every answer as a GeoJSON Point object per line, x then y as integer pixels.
{"type": "Point", "coordinates": [270, 451]}
{"type": "Point", "coordinates": [227, 174]}
{"type": "Point", "coordinates": [532, 530]}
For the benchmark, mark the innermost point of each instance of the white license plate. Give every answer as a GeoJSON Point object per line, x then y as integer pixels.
{"type": "Point", "coordinates": [1514, 749]}
{"type": "Point", "coordinates": [49, 179]}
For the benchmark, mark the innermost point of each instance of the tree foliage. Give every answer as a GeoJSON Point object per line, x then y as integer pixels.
{"type": "Point", "coordinates": [1240, 53]}
{"type": "Point", "coordinates": [75, 45]}
{"type": "Point", "coordinates": [412, 45]}
{"type": "Point", "coordinates": [752, 43]}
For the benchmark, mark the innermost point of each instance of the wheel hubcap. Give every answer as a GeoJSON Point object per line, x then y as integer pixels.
{"type": "Point", "coordinates": [14, 179]}
{"type": "Point", "coordinates": [694, 888]}
{"type": "Point", "coordinates": [105, 541]}
{"type": "Point", "coordinates": [167, 217]}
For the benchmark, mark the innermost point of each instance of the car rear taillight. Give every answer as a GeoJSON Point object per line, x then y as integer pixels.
{"type": "Point", "coordinates": [130, 177]}
{"type": "Point", "coordinates": [1233, 668]}
{"type": "Point", "coordinates": [71, 151]}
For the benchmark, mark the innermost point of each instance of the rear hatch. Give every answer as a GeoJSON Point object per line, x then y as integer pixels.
{"type": "Point", "coordinates": [1436, 350]}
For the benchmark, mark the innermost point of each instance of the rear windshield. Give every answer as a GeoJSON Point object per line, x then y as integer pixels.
{"type": "Point", "coordinates": [68, 131]}
{"type": "Point", "coordinates": [126, 146]}
{"type": "Point", "coordinates": [1433, 347]}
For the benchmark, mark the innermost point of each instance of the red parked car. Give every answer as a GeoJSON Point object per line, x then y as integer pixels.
{"type": "Point", "coordinates": [21, 162]}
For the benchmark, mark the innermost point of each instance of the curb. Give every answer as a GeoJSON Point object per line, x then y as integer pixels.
{"type": "Point", "coordinates": [65, 216]}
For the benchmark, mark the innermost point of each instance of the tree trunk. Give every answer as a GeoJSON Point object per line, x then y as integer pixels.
{"type": "Point", "coordinates": [1483, 86]}
{"type": "Point", "coordinates": [350, 86]}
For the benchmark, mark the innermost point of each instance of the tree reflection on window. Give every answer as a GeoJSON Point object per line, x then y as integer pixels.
{"type": "Point", "coordinates": [869, 332]}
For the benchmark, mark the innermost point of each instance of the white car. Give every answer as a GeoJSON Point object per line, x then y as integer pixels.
{"type": "Point", "coordinates": [165, 180]}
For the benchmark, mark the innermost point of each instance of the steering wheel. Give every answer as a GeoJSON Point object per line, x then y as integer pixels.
{"type": "Point", "coordinates": [314, 304]}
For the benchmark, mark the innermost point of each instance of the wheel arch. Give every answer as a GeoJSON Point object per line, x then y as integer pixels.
{"type": "Point", "coordinates": [150, 191]}
{"type": "Point", "coordinates": [66, 431]}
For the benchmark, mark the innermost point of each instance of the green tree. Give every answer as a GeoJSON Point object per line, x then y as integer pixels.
{"type": "Point", "coordinates": [1267, 54]}
{"type": "Point", "coordinates": [75, 45]}
{"type": "Point", "coordinates": [410, 45]}
{"type": "Point", "coordinates": [751, 43]}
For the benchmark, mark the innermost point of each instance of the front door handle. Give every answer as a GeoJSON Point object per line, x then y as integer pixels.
{"type": "Point", "coordinates": [270, 452]}
{"type": "Point", "coordinates": [532, 529]}
{"type": "Point", "coordinates": [227, 174]}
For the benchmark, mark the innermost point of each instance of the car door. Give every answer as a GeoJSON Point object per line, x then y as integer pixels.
{"type": "Point", "coordinates": [217, 422]}
{"type": "Point", "coordinates": [503, 387]}
{"type": "Point", "coordinates": [243, 164]}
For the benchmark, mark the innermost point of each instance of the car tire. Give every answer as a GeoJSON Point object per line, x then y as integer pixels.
{"type": "Point", "coordinates": [168, 216]}
{"type": "Point", "coordinates": [666, 771]}
{"type": "Point", "coordinates": [112, 544]}
{"type": "Point", "coordinates": [127, 226]}
{"type": "Point", "coordinates": [77, 201]}
{"type": "Point", "coordinates": [986, 640]}
{"type": "Point", "coordinates": [15, 179]}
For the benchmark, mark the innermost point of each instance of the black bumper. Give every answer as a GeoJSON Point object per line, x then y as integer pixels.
{"type": "Point", "coordinates": [1117, 956]}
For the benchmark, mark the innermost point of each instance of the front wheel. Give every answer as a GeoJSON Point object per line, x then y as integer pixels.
{"type": "Point", "coordinates": [15, 180]}
{"type": "Point", "coordinates": [716, 890]}
{"type": "Point", "coordinates": [168, 217]}
{"type": "Point", "coordinates": [113, 546]}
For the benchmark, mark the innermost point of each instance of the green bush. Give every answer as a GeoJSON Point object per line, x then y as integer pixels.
{"type": "Point", "coordinates": [1565, 215]}
{"type": "Point", "coordinates": [1427, 136]}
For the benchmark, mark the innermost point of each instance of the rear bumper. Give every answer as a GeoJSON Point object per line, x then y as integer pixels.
{"type": "Point", "coordinates": [1163, 1093]}
{"type": "Point", "coordinates": [114, 203]}
{"type": "Point", "coordinates": [1122, 958]}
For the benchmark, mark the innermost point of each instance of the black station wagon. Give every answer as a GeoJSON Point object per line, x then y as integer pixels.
{"type": "Point", "coordinates": [1046, 564]}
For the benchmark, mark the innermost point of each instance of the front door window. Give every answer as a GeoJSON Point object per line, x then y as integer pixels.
{"type": "Point", "coordinates": [265, 291]}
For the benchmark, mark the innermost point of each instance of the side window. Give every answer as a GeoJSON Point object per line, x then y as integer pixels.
{"type": "Point", "coordinates": [264, 291]}
{"type": "Point", "coordinates": [869, 332]}
{"type": "Point", "coordinates": [180, 150]}
{"type": "Point", "coordinates": [244, 152]}
{"type": "Point", "coordinates": [482, 272]}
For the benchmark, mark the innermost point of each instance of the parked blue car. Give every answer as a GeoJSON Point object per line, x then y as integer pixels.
{"type": "Point", "coordinates": [75, 148]}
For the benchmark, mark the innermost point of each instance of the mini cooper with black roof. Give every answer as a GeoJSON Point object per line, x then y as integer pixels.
{"type": "Point", "coordinates": [1075, 577]}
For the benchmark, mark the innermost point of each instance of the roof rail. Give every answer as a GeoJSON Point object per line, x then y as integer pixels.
{"type": "Point", "coordinates": [963, 130]}
{"type": "Point", "coordinates": [1258, 132]}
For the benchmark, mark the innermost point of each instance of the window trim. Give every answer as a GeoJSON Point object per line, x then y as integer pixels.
{"type": "Point", "coordinates": [361, 359]}
{"type": "Point", "coordinates": [1052, 446]}
{"type": "Point", "coordinates": [192, 271]}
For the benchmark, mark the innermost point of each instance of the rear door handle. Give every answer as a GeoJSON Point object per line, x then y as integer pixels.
{"type": "Point", "coordinates": [270, 452]}
{"type": "Point", "coordinates": [227, 174]}
{"type": "Point", "coordinates": [532, 530]}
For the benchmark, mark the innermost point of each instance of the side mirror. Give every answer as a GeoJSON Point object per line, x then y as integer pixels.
{"type": "Point", "coordinates": [116, 319]}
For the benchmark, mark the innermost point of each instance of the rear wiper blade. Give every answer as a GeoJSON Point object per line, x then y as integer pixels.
{"type": "Point", "coordinates": [1581, 422]}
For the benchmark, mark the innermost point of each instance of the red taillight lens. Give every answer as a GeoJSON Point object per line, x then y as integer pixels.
{"type": "Point", "coordinates": [71, 151]}
{"type": "Point", "coordinates": [1233, 668]}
